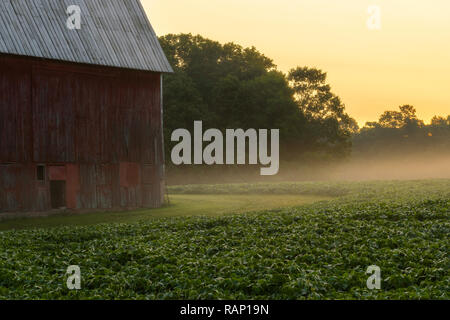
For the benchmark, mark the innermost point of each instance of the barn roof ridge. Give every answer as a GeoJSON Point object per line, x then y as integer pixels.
{"type": "Point", "coordinates": [113, 33]}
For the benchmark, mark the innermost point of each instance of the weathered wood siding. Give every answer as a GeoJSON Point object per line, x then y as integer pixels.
{"type": "Point", "coordinates": [101, 127]}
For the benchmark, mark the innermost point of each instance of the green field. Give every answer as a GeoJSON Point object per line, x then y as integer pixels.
{"type": "Point", "coordinates": [181, 205]}
{"type": "Point", "coordinates": [244, 241]}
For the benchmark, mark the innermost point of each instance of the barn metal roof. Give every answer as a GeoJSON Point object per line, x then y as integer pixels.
{"type": "Point", "coordinates": [113, 33]}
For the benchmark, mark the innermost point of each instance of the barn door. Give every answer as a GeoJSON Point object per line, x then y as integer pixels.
{"type": "Point", "coordinates": [58, 194]}
{"type": "Point", "coordinates": [57, 177]}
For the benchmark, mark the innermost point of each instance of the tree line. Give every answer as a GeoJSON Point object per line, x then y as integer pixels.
{"type": "Point", "coordinates": [229, 86]}
{"type": "Point", "coordinates": [401, 132]}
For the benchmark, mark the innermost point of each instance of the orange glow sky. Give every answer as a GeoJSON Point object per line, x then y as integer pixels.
{"type": "Point", "coordinates": [406, 62]}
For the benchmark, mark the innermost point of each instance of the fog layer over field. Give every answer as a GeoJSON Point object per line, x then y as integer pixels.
{"type": "Point", "coordinates": [382, 167]}
{"type": "Point", "coordinates": [393, 168]}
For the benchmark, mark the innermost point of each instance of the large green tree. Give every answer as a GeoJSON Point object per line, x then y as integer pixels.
{"type": "Point", "coordinates": [228, 86]}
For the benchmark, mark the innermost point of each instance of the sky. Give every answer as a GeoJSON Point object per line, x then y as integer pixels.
{"type": "Point", "coordinates": [406, 61]}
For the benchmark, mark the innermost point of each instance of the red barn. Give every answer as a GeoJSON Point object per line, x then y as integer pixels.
{"type": "Point", "coordinates": [80, 109]}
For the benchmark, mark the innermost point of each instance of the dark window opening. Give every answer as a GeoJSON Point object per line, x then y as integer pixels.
{"type": "Point", "coordinates": [40, 173]}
